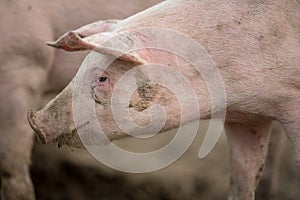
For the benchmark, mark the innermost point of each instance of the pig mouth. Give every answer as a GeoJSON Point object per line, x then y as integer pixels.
{"type": "Point", "coordinates": [71, 140]}
{"type": "Point", "coordinates": [31, 117]}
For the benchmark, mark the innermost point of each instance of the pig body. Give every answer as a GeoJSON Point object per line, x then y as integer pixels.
{"type": "Point", "coordinates": [255, 46]}
{"type": "Point", "coordinates": [28, 69]}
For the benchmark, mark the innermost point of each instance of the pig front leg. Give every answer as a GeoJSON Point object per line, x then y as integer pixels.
{"type": "Point", "coordinates": [248, 149]}
{"type": "Point", "coordinates": [269, 180]}
{"type": "Point", "coordinates": [20, 83]}
{"type": "Point", "coordinates": [15, 146]}
{"type": "Point", "coordinates": [290, 119]}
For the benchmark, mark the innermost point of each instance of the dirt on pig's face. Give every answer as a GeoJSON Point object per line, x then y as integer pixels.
{"type": "Point", "coordinates": [118, 99]}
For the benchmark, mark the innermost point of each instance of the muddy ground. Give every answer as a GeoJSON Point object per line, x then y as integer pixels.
{"type": "Point", "coordinates": [64, 174]}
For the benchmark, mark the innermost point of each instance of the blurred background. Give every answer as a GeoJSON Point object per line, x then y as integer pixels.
{"type": "Point", "coordinates": [72, 174]}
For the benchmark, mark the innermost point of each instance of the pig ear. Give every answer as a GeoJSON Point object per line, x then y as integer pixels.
{"type": "Point", "coordinates": [108, 43]}
{"type": "Point", "coordinates": [123, 46]}
{"type": "Point", "coordinates": [69, 41]}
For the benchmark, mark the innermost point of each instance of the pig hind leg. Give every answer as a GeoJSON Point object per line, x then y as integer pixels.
{"type": "Point", "coordinates": [248, 149]}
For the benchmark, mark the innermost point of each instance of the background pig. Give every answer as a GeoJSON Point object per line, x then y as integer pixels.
{"type": "Point", "coordinates": [246, 40]}
{"type": "Point", "coordinates": [28, 69]}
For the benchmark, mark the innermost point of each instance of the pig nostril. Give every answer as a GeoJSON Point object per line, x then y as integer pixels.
{"type": "Point", "coordinates": [102, 79]}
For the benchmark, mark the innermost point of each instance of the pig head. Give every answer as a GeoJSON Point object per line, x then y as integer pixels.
{"type": "Point", "coordinates": [114, 54]}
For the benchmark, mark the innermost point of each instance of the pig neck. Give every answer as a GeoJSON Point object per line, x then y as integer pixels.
{"type": "Point", "coordinates": [241, 37]}
{"type": "Point", "coordinates": [194, 109]}
{"type": "Point", "coordinates": [195, 98]}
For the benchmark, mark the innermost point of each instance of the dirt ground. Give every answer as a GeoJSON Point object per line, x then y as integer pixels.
{"type": "Point", "coordinates": [64, 174]}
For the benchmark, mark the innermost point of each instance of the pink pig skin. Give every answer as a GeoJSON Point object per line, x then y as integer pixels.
{"type": "Point", "coordinates": [255, 45]}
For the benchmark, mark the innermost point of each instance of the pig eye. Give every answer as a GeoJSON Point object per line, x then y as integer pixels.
{"type": "Point", "coordinates": [102, 79]}
{"type": "Point", "coordinates": [101, 88]}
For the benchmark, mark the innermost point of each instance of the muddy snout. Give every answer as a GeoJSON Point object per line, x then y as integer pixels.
{"type": "Point", "coordinates": [31, 117]}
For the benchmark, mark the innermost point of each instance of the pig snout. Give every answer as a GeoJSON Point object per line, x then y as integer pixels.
{"type": "Point", "coordinates": [54, 123]}
{"type": "Point", "coordinates": [50, 127]}
{"type": "Point", "coordinates": [31, 116]}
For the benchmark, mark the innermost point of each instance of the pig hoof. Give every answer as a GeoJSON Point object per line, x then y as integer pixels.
{"type": "Point", "coordinates": [31, 117]}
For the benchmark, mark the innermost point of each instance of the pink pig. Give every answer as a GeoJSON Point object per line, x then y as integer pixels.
{"type": "Point", "coordinates": [255, 46]}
